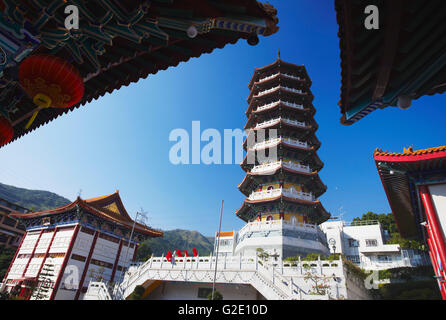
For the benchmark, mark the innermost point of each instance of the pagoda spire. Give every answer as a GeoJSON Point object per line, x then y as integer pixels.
{"type": "Point", "coordinates": [278, 54]}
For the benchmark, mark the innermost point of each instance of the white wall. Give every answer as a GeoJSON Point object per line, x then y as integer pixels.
{"type": "Point", "coordinates": [175, 290]}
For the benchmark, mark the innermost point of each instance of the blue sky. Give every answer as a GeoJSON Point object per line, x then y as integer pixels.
{"type": "Point", "coordinates": [122, 140]}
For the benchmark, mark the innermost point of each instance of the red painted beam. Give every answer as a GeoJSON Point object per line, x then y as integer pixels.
{"type": "Point", "coordinates": [15, 256]}
{"type": "Point", "coordinates": [65, 261]}
{"type": "Point", "coordinates": [87, 264]}
{"type": "Point", "coordinates": [32, 253]}
{"type": "Point", "coordinates": [116, 261]}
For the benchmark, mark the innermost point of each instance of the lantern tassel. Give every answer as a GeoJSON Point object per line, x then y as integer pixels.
{"type": "Point", "coordinates": [42, 101]}
{"type": "Point", "coordinates": [31, 120]}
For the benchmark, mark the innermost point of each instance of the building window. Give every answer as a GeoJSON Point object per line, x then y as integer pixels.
{"type": "Point", "coordinates": [382, 258]}
{"type": "Point", "coordinates": [371, 242]}
{"type": "Point", "coordinates": [354, 259]}
{"type": "Point", "coordinates": [353, 243]}
{"type": "Point", "coordinates": [204, 292]}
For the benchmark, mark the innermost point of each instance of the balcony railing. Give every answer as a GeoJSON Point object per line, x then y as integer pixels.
{"type": "Point", "coordinates": [268, 77]}
{"type": "Point", "coordinates": [293, 105]}
{"type": "Point", "coordinates": [292, 89]}
{"type": "Point", "coordinates": [269, 105]}
{"type": "Point", "coordinates": [294, 122]}
{"type": "Point", "coordinates": [266, 143]}
{"type": "Point", "coordinates": [278, 224]}
{"type": "Point", "coordinates": [274, 75]}
{"type": "Point", "coordinates": [287, 192]}
{"type": "Point", "coordinates": [273, 121]}
{"type": "Point", "coordinates": [267, 166]}
{"type": "Point", "coordinates": [297, 166]}
{"type": "Point", "coordinates": [291, 76]}
{"type": "Point", "coordinates": [267, 123]}
{"type": "Point", "coordinates": [273, 104]}
{"type": "Point", "coordinates": [261, 93]}
{"type": "Point", "coordinates": [295, 142]}
{"type": "Point", "coordinates": [272, 142]}
{"type": "Point", "coordinates": [264, 167]}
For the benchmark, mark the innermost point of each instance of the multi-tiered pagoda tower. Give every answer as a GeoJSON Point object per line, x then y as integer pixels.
{"type": "Point", "coordinates": [281, 205]}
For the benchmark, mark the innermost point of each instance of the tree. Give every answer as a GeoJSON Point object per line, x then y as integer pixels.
{"type": "Point", "coordinates": [137, 293]}
{"type": "Point", "coordinates": [320, 282]}
{"type": "Point", "coordinates": [262, 254]}
{"type": "Point", "coordinates": [6, 256]}
{"type": "Point", "coordinates": [144, 252]}
{"type": "Point", "coordinates": [217, 296]}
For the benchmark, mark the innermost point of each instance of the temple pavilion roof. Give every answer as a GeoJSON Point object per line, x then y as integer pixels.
{"type": "Point", "coordinates": [109, 207]}
{"type": "Point", "coordinates": [402, 60]}
{"type": "Point", "coordinates": [400, 174]}
{"type": "Point", "coordinates": [120, 42]}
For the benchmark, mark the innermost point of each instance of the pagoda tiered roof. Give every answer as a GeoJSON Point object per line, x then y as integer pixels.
{"type": "Point", "coordinates": [258, 72]}
{"type": "Point", "coordinates": [405, 57]}
{"type": "Point", "coordinates": [120, 42]}
{"type": "Point", "coordinates": [253, 179]}
{"type": "Point", "coordinates": [315, 209]}
{"type": "Point", "coordinates": [108, 207]}
{"type": "Point", "coordinates": [400, 173]}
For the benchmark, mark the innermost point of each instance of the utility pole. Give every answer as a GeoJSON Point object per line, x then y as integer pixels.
{"type": "Point", "coordinates": [218, 246]}
{"type": "Point", "coordinates": [143, 215]}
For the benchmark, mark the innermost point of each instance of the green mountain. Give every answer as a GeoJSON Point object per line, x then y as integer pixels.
{"type": "Point", "coordinates": [174, 240]}
{"type": "Point", "coordinates": [36, 200]}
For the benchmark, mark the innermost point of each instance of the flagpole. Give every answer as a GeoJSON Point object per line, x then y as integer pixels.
{"type": "Point", "coordinates": [218, 246]}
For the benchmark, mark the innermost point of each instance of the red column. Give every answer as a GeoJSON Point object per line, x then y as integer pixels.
{"type": "Point", "coordinates": [434, 225]}
{"type": "Point", "coordinates": [65, 261]}
{"type": "Point", "coordinates": [116, 261]}
{"type": "Point", "coordinates": [46, 253]}
{"type": "Point", "coordinates": [32, 253]}
{"type": "Point", "coordinates": [436, 238]}
{"type": "Point", "coordinates": [432, 254]}
{"type": "Point", "coordinates": [43, 260]}
{"type": "Point", "coordinates": [15, 256]}
{"type": "Point", "coordinates": [87, 264]}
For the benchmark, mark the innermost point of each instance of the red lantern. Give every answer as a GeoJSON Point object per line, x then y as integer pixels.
{"type": "Point", "coordinates": [194, 251]}
{"type": "Point", "coordinates": [179, 253]}
{"type": "Point", "coordinates": [186, 254]}
{"type": "Point", "coordinates": [51, 82]}
{"type": "Point", "coordinates": [6, 131]}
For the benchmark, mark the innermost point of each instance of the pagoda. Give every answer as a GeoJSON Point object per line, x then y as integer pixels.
{"type": "Point", "coordinates": [65, 248]}
{"type": "Point", "coordinates": [281, 192]}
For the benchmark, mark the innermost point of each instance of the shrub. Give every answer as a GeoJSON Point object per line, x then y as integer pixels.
{"type": "Point", "coordinates": [217, 296]}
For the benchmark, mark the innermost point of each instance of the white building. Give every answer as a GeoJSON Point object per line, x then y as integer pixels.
{"type": "Point", "coordinates": [363, 243]}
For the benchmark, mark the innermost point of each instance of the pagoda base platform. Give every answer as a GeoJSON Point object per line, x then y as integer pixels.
{"type": "Point", "coordinates": [281, 239]}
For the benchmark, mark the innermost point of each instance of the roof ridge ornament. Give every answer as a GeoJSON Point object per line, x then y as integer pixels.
{"type": "Point", "coordinates": [408, 150]}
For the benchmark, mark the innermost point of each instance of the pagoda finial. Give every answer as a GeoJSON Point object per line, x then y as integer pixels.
{"type": "Point", "coordinates": [278, 54]}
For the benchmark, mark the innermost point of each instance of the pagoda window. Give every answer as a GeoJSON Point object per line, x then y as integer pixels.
{"type": "Point", "coordinates": [270, 188]}
{"type": "Point", "coordinates": [269, 218]}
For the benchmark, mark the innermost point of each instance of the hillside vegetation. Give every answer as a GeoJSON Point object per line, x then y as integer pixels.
{"type": "Point", "coordinates": [35, 200]}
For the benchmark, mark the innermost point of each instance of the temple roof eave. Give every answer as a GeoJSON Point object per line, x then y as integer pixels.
{"type": "Point", "coordinates": [124, 221]}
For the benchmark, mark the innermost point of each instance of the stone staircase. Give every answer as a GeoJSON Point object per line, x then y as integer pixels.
{"type": "Point", "coordinates": [271, 281]}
